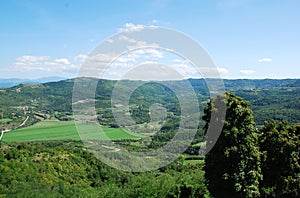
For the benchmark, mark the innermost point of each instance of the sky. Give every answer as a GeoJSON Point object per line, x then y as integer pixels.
{"type": "Point", "coordinates": [252, 39]}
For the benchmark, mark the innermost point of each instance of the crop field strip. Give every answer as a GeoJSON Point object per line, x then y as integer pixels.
{"type": "Point", "coordinates": [59, 130]}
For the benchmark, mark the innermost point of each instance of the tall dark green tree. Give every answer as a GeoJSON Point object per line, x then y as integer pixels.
{"type": "Point", "coordinates": [232, 166]}
{"type": "Point", "coordinates": [280, 144]}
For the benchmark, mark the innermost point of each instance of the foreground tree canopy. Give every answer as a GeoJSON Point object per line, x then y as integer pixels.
{"type": "Point", "coordinates": [247, 162]}
{"type": "Point", "coordinates": [232, 167]}
{"type": "Point", "coordinates": [281, 167]}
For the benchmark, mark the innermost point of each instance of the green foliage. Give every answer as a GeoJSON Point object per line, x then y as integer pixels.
{"type": "Point", "coordinates": [280, 144]}
{"type": "Point", "coordinates": [5, 121]}
{"type": "Point", "coordinates": [279, 103]}
{"type": "Point", "coordinates": [271, 99]}
{"type": "Point", "coordinates": [65, 169]}
{"type": "Point", "coordinates": [232, 166]}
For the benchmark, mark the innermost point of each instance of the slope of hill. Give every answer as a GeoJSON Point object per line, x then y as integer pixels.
{"type": "Point", "coordinates": [66, 169]}
{"type": "Point", "coordinates": [269, 99]}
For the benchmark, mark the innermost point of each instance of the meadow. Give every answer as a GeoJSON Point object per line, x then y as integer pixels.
{"type": "Point", "coordinates": [5, 120]}
{"type": "Point", "coordinates": [53, 129]}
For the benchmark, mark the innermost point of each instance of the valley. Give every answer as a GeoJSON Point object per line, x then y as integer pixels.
{"type": "Point", "coordinates": [42, 153]}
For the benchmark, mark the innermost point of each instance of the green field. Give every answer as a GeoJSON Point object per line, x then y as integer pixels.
{"type": "Point", "coordinates": [59, 130]}
{"type": "Point", "coordinates": [5, 120]}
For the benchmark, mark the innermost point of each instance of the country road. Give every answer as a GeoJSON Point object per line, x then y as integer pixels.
{"type": "Point", "coordinates": [23, 123]}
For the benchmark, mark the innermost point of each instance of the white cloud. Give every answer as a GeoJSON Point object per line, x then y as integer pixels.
{"type": "Point", "coordinates": [247, 72]}
{"type": "Point", "coordinates": [80, 57]}
{"type": "Point", "coordinates": [148, 53]}
{"type": "Point", "coordinates": [24, 60]}
{"type": "Point", "coordinates": [93, 65]}
{"type": "Point", "coordinates": [213, 72]}
{"type": "Point", "coordinates": [154, 21]}
{"type": "Point", "coordinates": [110, 40]}
{"type": "Point", "coordinates": [142, 44]}
{"type": "Point", "coordinates": [126, 61]}
{"type": "Point", "coordinates": [130, 27]}
{"type": "Point", "coordinates": [113, 63]}
{"type": "Point", "coordinates": [185, 68]}
{"type": "Point", "coordinates": [127, 39]}
{"type": "Point", "coordinates": [64, 61]}
{"type": "Point", "coordinates": [100, 58]}
{"type": "Point", "coordinates": [136, 43]}
{"type": "Point", "coordinates": [44, 64]}
{"type": "Point", "coordinates": [222, 70]}
{"type": "Point", "coordinates": [262, 60]}
{"type": "Point", "coordinates": [151, 70]}
{"type": "Point", "coordinates": [188, 70]}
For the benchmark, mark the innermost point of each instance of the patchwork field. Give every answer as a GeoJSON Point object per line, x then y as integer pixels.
{"type": "Point", "coordinates": [59, 130]}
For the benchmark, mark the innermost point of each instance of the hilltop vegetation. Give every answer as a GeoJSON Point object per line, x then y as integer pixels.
{"type": "Point", "coordinates": [245, 162]}
{"type": "Point", "coordinates": [269, 99]}
{"type": "Point", "coordinates": [65, 169]}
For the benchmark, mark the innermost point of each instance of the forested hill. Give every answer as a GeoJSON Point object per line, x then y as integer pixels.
{"type": "Point", "coordinates": [269, 98]}
{"type": "Point", "coordinates": [250, 84]}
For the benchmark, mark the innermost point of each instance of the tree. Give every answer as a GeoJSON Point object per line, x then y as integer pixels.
{"type": "Point", "coordinates": [232, 166]}
{"type": "Point", "coordinates": [281, 168]}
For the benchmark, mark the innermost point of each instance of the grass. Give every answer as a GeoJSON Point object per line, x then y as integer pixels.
{"type": "Point", "coordinates": [5, 120]}
{"type": "Point", "coordinates": [59, 130]}
{"type": "Point", "coordinates": [193, 162]}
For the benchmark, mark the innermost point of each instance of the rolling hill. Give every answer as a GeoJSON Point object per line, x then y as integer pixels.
{"type": "Point", "coordinates": [269, 99]}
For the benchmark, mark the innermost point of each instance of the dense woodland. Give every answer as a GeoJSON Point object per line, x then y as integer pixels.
{"type": "Point", "coordinates": [257, 154]}
{"type": "Point", "coordinates": [55, 169]}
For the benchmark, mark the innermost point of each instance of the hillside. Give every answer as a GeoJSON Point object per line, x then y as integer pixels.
{"type": "Point", "coordinates": [269, 99]}
{"type": "Point", "coordinates": [54, 163]}
{"type": "Point", "coordinates": [65, 169]}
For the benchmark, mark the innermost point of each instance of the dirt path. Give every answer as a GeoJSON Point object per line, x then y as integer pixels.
{"type": "Point", "coordinates": [23, 123]}
{"type": "Point", "coordinates": [7, 130]}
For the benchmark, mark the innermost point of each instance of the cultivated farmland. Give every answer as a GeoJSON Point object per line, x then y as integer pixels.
{"type": "Point", "coordinates": [59, 130]}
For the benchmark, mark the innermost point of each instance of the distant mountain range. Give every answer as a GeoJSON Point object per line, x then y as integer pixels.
{"type": "Point", "coordinates": [10, 82]}
{"type": "Point", "coordinates": [230, 84]}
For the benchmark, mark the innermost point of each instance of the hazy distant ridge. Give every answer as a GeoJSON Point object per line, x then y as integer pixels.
{"type": "Point", "coordinates": [10, 82]}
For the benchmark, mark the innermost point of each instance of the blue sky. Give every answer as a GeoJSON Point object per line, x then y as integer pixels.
{"type": "Point", "coordinates": [245, 38]}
